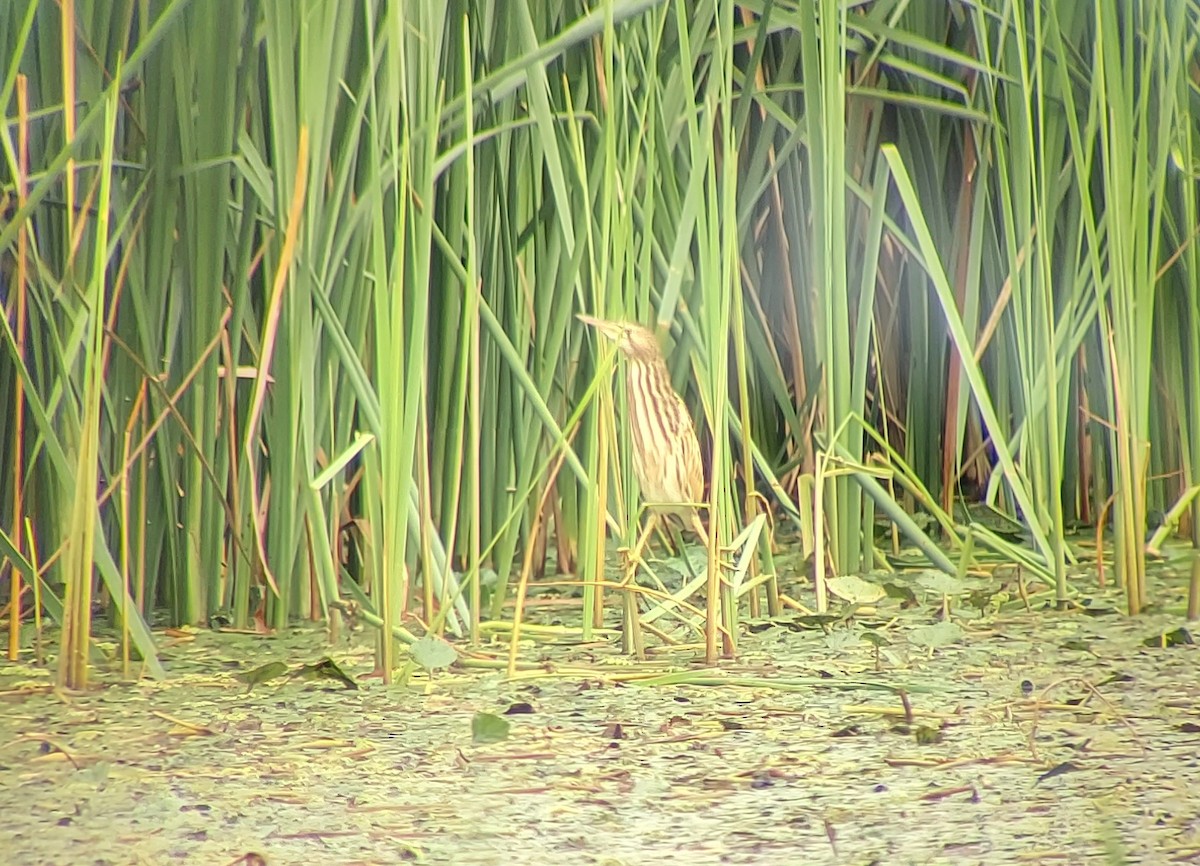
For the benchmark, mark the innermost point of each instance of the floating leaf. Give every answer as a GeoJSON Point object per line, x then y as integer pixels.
{"type": "Point", "coordinates": [875, 639]}
{"type": "Point", "coordinates": [1094, 607]}
{"type": "Point", "coordinates": [488, 728]}
{"type": "Point", "coordinates": [1066, 767]}
{"type": "Point", "coordinates": [981, 599]}
{"type": "Point", "coordinates": [431, 653]}
{"type": "Point", "coordinates": [906, 596]}
{"type": "Point", "coordinates": [940, 583]}
{"type": "Point", "coordinates": [1177, 637]}
{"type": "Point", "coordinates": [927, 736]}
{"type": "Point", "coordinates": [817, 620]}
{"type": "Point", "coordinates": [855, 590]}
{"type": "Point", "coordinates": [326, 669]}
{"type": "Point", "coordinates": [934, 636]}
{"type": "Point", "coordinates": [262, 673]}
{"type": "Point", "coordinates": [841, 640]}
{"type": "Point", "coordinates": [220, 618]}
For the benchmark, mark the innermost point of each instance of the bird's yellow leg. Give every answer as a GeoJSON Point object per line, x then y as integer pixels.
{"type": "Point", "coordinates": [634, 557]}
{"type": "Point", "coordinates": [631, 634]}
{"type": "Point", "coordinates": [714, 624]}
{"type": "Point", "coordinates": [698, 528]}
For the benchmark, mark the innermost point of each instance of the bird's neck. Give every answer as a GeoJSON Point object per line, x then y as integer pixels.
{"type": "Point", "coordinates": [648, 385]}
{"type": "Point", "coordinates": [648, 369]}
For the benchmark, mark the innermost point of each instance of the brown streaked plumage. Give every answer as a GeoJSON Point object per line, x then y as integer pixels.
{"type": "Point", "coordinates": [666, 454]}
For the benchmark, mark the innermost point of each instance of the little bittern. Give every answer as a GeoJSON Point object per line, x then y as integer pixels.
{"type": "Point", "coordinates": [666, 455]}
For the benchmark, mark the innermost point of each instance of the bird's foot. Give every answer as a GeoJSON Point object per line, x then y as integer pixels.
{"type": "Point", "coordinates": [630, 561]}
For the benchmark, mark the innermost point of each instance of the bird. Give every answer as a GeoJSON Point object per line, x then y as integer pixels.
{"type": "Point", "coordinates": [666, 453]}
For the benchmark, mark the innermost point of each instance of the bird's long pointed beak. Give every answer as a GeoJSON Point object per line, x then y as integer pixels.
{"type": "Point", "coordinates": [608, 329]}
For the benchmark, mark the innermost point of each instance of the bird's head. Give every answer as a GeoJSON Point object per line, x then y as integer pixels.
{"type": "Point", "coordinates": [632, 340]}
